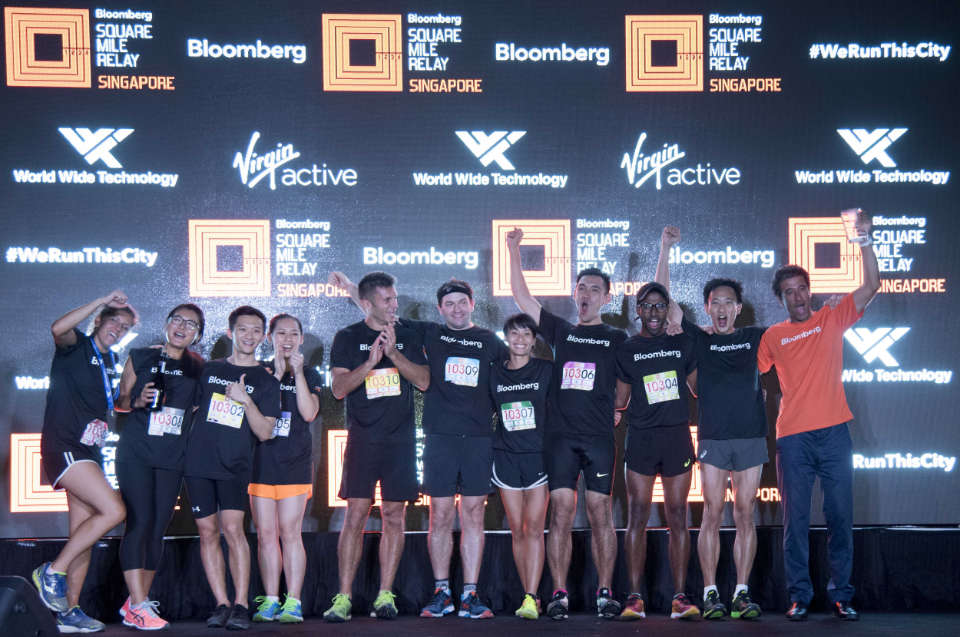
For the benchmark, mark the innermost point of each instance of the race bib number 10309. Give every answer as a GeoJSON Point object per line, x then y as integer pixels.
{"type": "Point", "coordinates": [462, 371]}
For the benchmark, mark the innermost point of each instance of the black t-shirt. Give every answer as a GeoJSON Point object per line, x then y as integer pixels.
{"type": "Point", "coordinates": [287, 458]}
{"type": "Point", "coordinates": [458, 401]}
{"type": "Point", "coordinates": [730, 396]}
{"type": "Point", "coordinates": [77, 395]}
{"type": "Point", "coordinates": [221, 443]}
{"type": "Point", "coordinates": [380, 410]}
{"type": "Point", "coordinates": [159, 438]}
{"type": "Point", "coordinates": [656, 368]}
{"type": "Point", "coordinates": [520, 398]}
{"type": "Point", "coordinates": [585, 375]}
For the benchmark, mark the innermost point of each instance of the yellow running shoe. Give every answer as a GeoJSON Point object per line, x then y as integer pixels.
{"type": "Point", "coordinates": [528, 609]}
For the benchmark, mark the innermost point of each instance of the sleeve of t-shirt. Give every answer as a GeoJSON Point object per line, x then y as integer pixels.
{"type": "Point", "coordinates": [66, 349]}
{"type": "Point", "coordinates": [340, 350]}
{"type": "Point", "coordinates": [551, 327]}
{"type": "Point", "coordinates": [691, 357]}
{"type": "Point", "coordinates": [764, 354]}
{"type": "Point", "coordinates": [623, 370]}
{"type": "Point", "coordinates": [268, 401]}
{"type": "Point", "coordinates": [313, 381]}
{"type": "Point", "coordinates": [846, 312]}
{"type": "Point", "coordinates": [416, 355]}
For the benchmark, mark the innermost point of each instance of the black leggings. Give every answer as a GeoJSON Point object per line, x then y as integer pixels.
{"type": "Point", "coordinates": [150, 495]}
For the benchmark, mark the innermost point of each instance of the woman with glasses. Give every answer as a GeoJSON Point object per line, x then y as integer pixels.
{"type": "Point", "coordinates": [283, 476]}
{"type": "Point", "coordinates": [159, 386]}
{"type": "Point", "coordinates": [79, 403]}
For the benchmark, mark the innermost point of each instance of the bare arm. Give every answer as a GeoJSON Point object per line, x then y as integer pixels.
{"type": "Point", "coordinates": [346, 380]}
{"type": "Point", "coordinates": [127, 380]}
{"type": "Point", "coordinates": [308, 403]}
{"type": "Point", "coordinates": [342, 281]}
{"type": "Point", "coordinates": [419, 375]}
{"type": "Point", "coordinates": [871, 269]}
{"type": "Point", "coordinates": [62, 328]}
{"type": "Point", "coordinates": [668, 238]}
{"type": "Point", "coordinates": [518, 284]}
{"type": "Point", "coordinates": [623, 395]}
{"type": "Point", "coordinates": [260, 425]}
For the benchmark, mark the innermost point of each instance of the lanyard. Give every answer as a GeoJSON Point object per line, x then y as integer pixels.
{"type": "Point", "coordinates": [107, 389]}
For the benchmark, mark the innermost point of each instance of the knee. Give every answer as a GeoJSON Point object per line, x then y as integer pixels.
{"type": "Point", "coordinates": [676, 516]}
{"type": "Point", "coordinates": [711, 515]}
{"type": "Point", "coordinates": [392, 520]}
{"type": "Point", "coordinates": [267, 534]}
{"type": "Point", "coordinates": [116, 512]}
{"type": "Point", "coordinates": [561, 516]}
{"type": "Point", "coordinates": [743, 511]}
{"type": "Point", "coordinates": [441, 519]}
{"type": "Point", "coordinates": [290, 532]}
{"type": "Point", "coordinates": [208, 530]}
{"type": "Point", "coordinates": [233, 531]}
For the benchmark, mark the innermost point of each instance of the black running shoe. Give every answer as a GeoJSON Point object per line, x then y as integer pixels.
{"type": "Point", "coordinates": [219, 617]}
{"type": "Point", "coordinates": [713, 608]}
{"type": "Point", "coordinates": [744, 608]}
{"type": "Point", "coordinates": [239, 618]}
{"type": "Point", "coordinates": [607, 606]}
{"type": "Point", "coordinates": [557, 608]}
{"type": "Point", "coordinates": [845, 611]}
{"type": "Point", "coordinates": [798, 612]}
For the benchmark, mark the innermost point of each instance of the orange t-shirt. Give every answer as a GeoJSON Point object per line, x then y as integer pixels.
{"type": "Point", "coordinates": [809, 361]}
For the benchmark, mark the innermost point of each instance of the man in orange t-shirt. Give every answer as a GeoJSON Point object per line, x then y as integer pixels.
{"type": "Point", "coordinates": [813, 438]}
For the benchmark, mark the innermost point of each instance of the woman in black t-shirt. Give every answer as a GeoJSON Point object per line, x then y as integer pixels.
{"type": "Point", "coordinates": [79, 402]}
{"type": "Point", "coordinates": [151, 451]}
{"type": "Point", "coordinates": [283, 476]}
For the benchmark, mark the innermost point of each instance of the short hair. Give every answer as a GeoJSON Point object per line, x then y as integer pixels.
{"type": "Point", "coordinates": [451, 286]}
{"type": "Point", "coordinates": [246, 310]}
{"type": "Point", "coordinates": [373, 280]}
{"type": "Point", "coordinates": [595, 272]}
{"type": "Point", "coordinates": [713, 284]}
{"type": "Point", "coordinates": [520, 321]}
{"type": "Point", "coordinates": [283, 315]}
{"type": "Point", "coordinates": [788, 272]}
{"type": "Point", "coordinates": [196, 310]}
{"type": "Point", "coordinates": [109, 312]}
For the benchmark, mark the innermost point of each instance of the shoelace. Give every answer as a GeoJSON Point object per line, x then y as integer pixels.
{"type": "Point", "coordinates": [151, 607]}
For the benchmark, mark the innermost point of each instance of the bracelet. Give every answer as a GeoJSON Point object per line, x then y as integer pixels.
{"type": "Point", "coordinates": [866, 242]}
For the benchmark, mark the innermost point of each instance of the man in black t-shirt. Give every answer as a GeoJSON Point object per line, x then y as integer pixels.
{"type": "Point", "coordinates": [239, 404]}
{"type": "Point", "coordinates": [376, 363]}
{"type": "Point", "coordinates": [581, 439]}
{"type": "Point", "coordinates": [652, 375]}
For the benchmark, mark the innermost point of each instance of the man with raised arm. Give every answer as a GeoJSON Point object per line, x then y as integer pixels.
{"type": "Point", "coordinates": [376, 363]}
{"type": "Point", "coordinates": [813, 434]}
{"type": "Point", "coordinates": [581, 439]}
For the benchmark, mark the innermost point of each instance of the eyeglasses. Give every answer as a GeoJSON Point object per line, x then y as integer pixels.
{"type": "Point", "coordinates": [650, 306]}
{"type": "Point", "coordinates": [178, 321]}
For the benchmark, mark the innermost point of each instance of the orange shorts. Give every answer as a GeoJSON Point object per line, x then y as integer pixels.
{"type": "Point", "coordinates": [279, 491]}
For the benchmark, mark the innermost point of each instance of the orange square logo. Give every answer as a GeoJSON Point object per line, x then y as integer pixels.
{"type": "Point", "coordinates": [805, 234]}
{"type": "Point", "coordinates": [696, 482]}
{"type": "Point", "coordinates": [362, 52]}
{"type": "Point", "coordinates": [47, 47]}
{"type": "Point", "coordinates": [553, 235]}
{"type": "Point", "coordinates": [28, 494]}
{"type": "Point", "coordinates": [247, 241]}
{"type": "Point", "coordinates": [664, 53]}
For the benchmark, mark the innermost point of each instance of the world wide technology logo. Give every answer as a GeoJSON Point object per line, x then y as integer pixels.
{"type": "Point", "coordinates": [872, 147]}
{"type": "Point", "coordinates": [873, 345]}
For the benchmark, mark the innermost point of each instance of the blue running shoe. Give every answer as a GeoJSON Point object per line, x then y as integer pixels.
{"type": "Point", "coordinates": [292, 611]}
{"type": "Point", "coordinates": [52, 588]}
{"type": "Point", "coordinates": [472, 608]}
{"type": "Point", "coordinates": [267, 610]}
{"type": "Point", "coordinates": [76, 621]}
{"type": "Point", "coordinates": [440, 605]}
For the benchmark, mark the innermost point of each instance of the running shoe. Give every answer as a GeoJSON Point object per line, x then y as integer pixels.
{"type": "Point", "coordinates": [144, 617]}
{"type": "Point", "coordinates": [743, 607]}
{"type": "Point", "coordinates": [219, 617]}
{"type": "Point", "coordinates": [267, 610]}
{"type": "Point", "coordinates": [845, 611]}
{"type": "Point", "coordinates": [123, 609]}
{"type": "Point", "coordinates": [239, 618]}
{"type": "Point", "coordinates": [607, 606]}
{"type": "Point", "coordinates": [340, 611]}
{"type": "Point", "coordinates": [292, 611]}
{"type": "Point", "coordinates": [384, 606]}
{"type": "Point", "coordinates": [713, 608]}
{"type": "Point", "coordinates": [559, 605]}
{"type": "Point", "coordinates": [683, 608]}
{"type": "Point", "coordinates": [440, 605]}
{"type": "Point", "coordinates": [528, 609]}
{"type": "Point", "coordinates": [76, 621]}
{"type": "Point", "coordinates": [472, 608]}
{"type": "Point", "coordinates": [798, 612]}
{"type": "Point", "coordinates": [634, 608]}
{"type": "Point", "coordinates": [52, 588]}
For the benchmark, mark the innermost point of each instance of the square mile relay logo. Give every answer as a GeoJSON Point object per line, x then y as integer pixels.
{"type": "Point", "coordinates": [47, 47]}
{"type": "Point", "coordinates": [550, 239]}
{"type": "Point", "coordinates": [229, 257]}
{"type": "Point", "coordinates": [664, 53]}
{"type": "Point", "coordinates": [362, 52]}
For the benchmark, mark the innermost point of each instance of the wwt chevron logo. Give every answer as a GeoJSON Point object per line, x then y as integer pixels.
{"type": "Point", "coordinates": [490, 148]}
{"type": "Point", "coordinates": [875, 344]}
{"type": "Point", "coordinates": [96, 145]}
{"type": "Point", "coordinates": [872, 145]}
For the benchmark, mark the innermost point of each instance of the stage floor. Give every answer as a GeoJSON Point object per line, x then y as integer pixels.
{"type": "Point", "coordinates": [872, 624]}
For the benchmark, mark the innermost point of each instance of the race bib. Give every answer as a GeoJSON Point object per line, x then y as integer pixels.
{"type": "Point", "coordinates": [225, 411]}
{"type": "Point", "coordinates": [462, 371]}
{"type": "Point", "coordinates": [281, 429]}
{"type": "Point", "coordinates": [661, 387]}
{"type": "Point", "coordinates": [168, 420]}
{"type": "Point", "coordinates": [578, 375]}
{"type": "Point", "coordinates": [382, 382]}
{"type": "Point", "coordinates": [518, 416]}
{"type": "Point", "coordinates": [95, 433]}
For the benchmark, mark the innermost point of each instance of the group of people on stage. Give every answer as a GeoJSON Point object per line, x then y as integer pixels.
{"type": "Point", "coordinates": [493, 415]}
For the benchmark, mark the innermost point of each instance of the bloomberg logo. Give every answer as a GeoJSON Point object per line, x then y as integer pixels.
{"type": "Point", "coordinates": [874, 345]}
{"type": "Point", "coordinates": [510, 52]}
{"type": "Point", "coordinates": [203, 48]}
